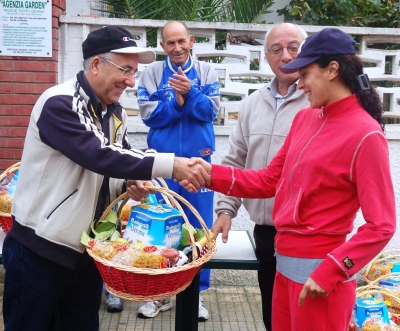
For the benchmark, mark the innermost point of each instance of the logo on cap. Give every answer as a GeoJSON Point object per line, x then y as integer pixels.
{"type": "Point", "coordinates": [127, 39]}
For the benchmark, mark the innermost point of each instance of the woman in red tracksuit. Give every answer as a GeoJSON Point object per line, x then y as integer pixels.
{"type": "Point", "coordinates": [334, 162]}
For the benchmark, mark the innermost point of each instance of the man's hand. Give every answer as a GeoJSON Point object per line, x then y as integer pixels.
{"type": "Point", "coordinates": [222, 225]}
{"type": "Point", "coordinates": [180, 99]}
{"type": "Point", "coordinates": [312, 289]}
{"type": "Point", "coordinates": [195, 174]}
{"type": "Point", "coordinates": [136, 189]}
{"type": "Point", "coordinates": [180, 83]}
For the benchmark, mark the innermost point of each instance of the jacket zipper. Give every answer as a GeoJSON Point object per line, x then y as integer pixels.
{"type": "Point", "coordinates": [70, 195]}
{"type": "Point", "coordinates": [271, 133]}
{"type": "Point", "coordinates": [295, 165]}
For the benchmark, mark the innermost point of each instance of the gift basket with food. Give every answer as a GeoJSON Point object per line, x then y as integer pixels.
{"type": "Point", "coordinates": [373, 310]}
{"type": "Point", "coordinates": [8, 181]}
{"type": "Point", "coordinates": [386, 263]}
{"type": "Point", "coordinates": [145, 264]}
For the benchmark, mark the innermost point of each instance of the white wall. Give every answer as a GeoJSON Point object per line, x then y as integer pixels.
{"type": "Point", "coordinates": [78, 7]}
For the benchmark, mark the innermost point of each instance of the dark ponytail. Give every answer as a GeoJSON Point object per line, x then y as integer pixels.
{"type": "Point", "coordinates": [350, 67]}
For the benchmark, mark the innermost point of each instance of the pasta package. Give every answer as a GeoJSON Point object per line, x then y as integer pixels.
{"type": "Point", "coordinates": [126, 257]}
{"type": "Point", "coordinates": [126, 210]}
{"type": "Point", "coordinates": [5, 202]}
{"type": "Point", "coordinates": [378, 269]}
{"type": "Point", "coordinates": [150, 257]}
{"type": "Point", "coordinates": [107, 249]}
{"type": "Point", "coordinates": [377, 326]}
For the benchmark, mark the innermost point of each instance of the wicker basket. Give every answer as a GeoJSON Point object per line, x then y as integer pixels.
{"type": "Point", "coordinates": [145, 284]}
{"type": "Point", "coordinates": [391, 298]}
{"type": "Point", "coordinates": [5, 218]}
{"type": "Point", "coordinates": [381, 259]}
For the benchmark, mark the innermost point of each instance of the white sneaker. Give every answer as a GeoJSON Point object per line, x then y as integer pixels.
{"type": "Point", "coordinates": [151, 309]}
{"type": "Point", "coordinates": [203, 312]}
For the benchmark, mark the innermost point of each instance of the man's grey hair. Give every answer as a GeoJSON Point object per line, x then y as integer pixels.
{"type": "Point", "coordinates": [86, 63]}
{"type": "Point", "coordinates": [302, 31]}
{"type": "Point", "coordinates": [184, 25]}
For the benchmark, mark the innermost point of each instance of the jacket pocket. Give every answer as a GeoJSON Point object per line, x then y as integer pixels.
{"type": "Point", "coordinates": [298, 212]}
{"type": "Point", "coordinates": [62, 202]}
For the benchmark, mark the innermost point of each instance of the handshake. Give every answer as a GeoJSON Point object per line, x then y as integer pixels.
{"type": "Point", "coordinates": [192, 174]}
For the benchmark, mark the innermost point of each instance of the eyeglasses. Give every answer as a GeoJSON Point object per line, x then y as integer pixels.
{"type": "Point", "coordinates": [128, 72]}
{"type": "Point", "coordinates": [277, 50]}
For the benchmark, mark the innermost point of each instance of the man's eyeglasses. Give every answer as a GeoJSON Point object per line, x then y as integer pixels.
{"type": "Point", "coordinates": [277, 50]}
{"type": "Point", "coordinates": [128, 72]}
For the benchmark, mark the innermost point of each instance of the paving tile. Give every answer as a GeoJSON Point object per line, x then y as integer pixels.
{"type": "Point", "coordinates": [232, 308]}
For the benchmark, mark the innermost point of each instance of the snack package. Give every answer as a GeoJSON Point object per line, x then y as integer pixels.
{"type": "Point", "coordinates": [107, 249]}
{"type": "Point", "coordinates": [171, 256]}
{"type": "Point", "coordinates": [5, 202]}
{"type": "Point", "coordinates": [126, 257]}
{"type": "Point", "coordinates": [154, 224]}
{"type": "Point", "coordinates": [150, 257]}
{"type": "Point", "coordinates": [126, 210]}
{"type": "Point", "coordinates": [7, 188]}
{"type": "Point", "coordinates": [369, 314]}
{"type": "Point", "coordinates": [378, 269]}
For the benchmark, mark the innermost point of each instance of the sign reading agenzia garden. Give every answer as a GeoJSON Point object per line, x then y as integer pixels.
{"type": "Point", "coordinates": [25, 28]}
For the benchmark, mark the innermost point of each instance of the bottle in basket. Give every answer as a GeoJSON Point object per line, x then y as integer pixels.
{"type": "Point", "coordinates": [188, 250]}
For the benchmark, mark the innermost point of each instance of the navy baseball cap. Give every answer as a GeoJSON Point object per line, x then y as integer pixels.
{"type": "Point", "coordinates": [114, 39]}
{"type": "Point", "coordinates": [329, 41]}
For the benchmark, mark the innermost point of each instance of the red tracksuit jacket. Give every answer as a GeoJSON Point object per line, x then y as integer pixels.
{"type": "Point", "coordinates": [334, 161]}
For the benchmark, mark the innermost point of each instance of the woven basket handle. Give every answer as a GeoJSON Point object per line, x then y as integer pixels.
{"type": "Point", "coordinates": [388, 255]}
{"type": "Point", "coordinates": [172, 196]}
{"type": "Point", "coordinates": [379, 290]}
{"type": "Point", "coordinates": [13, 168]}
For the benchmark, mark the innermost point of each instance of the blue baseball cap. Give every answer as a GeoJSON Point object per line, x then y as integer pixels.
{"type": "Point", "coordinates": [329, 41]}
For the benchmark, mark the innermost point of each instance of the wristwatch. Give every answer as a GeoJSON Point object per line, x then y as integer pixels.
{"type": "Point", "coordinates": [124, 185]}
{"type": "Point", "coordinates": [225, 213]}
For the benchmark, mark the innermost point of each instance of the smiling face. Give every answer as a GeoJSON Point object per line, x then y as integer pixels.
{"type": "Point", "coordinates": [109, 81]}
{"type": "Point", "coordinates": [177, 43]}
{"type": "Point", "coordinates": [316, 84]}
{"type": "Point", "coordinates": [283, 35]}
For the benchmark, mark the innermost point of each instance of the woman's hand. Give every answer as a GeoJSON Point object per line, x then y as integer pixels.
{"type": "Point", "coordinates": [312, 289]}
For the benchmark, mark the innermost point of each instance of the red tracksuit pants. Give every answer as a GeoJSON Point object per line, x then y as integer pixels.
{"type": "Point", "coordinates": [330, 313]}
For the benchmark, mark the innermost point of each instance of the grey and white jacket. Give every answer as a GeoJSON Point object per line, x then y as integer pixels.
{"type": "Point", "coordinates": [69, 150]}
{"type": "Point", "coordinates": [257, 137]}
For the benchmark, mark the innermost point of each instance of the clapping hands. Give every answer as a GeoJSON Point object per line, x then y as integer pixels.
{"type": "Point", "coordinates": [181, 84]}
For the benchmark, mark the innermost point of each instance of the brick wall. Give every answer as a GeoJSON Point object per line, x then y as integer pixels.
{"type": "Point", "coordinates": [22, 80]}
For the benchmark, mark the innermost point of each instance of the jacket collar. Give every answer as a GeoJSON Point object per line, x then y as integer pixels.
{"type": "Point", "coordinates": [185, 68]}
{"type": "Point", "coordinates": [93, 102]}
{"type": "Point", "coordinates": [342, 106]}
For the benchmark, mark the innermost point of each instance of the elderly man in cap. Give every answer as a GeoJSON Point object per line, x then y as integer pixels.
{"type": "Point", "coordinates": [76, 159]}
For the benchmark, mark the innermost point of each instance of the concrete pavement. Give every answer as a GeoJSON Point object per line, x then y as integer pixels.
{"type": "Point", "coordinates": [231, 308]}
